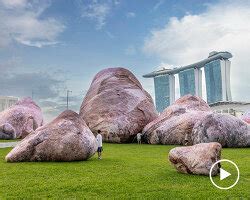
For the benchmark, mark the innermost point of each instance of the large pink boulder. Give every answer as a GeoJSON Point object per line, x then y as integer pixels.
{"type": "Point", "coordinates": [176, 122]}
{"type": "Point", "coordinates": [226, 129]}
{"type": "Point", "coordinates": [196, 159]}
{"type": "Point", "coordinates": [117, 105]}
{"type": "Point", "coordinates": [66, 138]}
{"type": "Point", "coordinates": [20, 119]}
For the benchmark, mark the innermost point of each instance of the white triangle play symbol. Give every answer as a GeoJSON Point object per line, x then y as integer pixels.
{"type": "Point", "coordinates": [224, 174]}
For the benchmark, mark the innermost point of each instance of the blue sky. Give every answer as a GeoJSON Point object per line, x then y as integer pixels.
{"type": "Point", "coordinates": [50, 46]}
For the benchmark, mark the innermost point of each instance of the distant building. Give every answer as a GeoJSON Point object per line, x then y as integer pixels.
{"type": "Point", "coordinates": [162, 87]}
{"type": "Point", "coordinates": [187, 82]}
{"type": "Point", "coordinates": [6, 102]}
{"type": "Point", "coordinates": [217, 75]}
{"type": "Point", "coordinates": [234, 108]}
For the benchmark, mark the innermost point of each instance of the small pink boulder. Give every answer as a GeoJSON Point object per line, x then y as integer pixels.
{"type": "Point", "coordinates": [196, 159]}
{"type": "Point", "coordinates": [20, 120]}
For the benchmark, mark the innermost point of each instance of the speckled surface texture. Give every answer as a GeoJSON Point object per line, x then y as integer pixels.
{"type": "Point", "coordinates": [177, 121]}
{"type": "Point", "coordinates": [228, 130]}
{"type": "Point", "coordinates": [66, 138]}
{"type": "Point", "coordinates": [117, 105]}
{"type": "Point", "coordinates": [20, 119]}
{"type": "Point", "coordinates": [196, 159]}
{"type": "Point", "coordinates": [246, 117]}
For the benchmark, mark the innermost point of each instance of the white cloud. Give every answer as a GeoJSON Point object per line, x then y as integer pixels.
{"type": "Point", "coordinates": [21, 22]}
{"type": "Point", "coordinates": [9, 64]}
{"type": "Point", "coordinates": [45, 86]}
{"type": "Point", "coordinates": [110, 35]}
{"type": "Point", "coordinates": [116, 2]}
{"type": "Point", "coordinates": [130, 15]}
{"type": "Point", "coordinates": [163, 65]}
{"type": "Point", "coordinates": [222, 27]}
{"type": "Point", "coordinates": [158, 4]}
{"type": "Point", "coordinates": [14, 3]}
{"type": "Point", "coordinates": [98, 11]}
{"type": "Point", "coordinates": [130, 50]}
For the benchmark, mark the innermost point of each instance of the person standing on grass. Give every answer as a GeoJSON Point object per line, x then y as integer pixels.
{"type": "Point", "coordinates": [186, 140]}
{"type": "Point", "coordinates": [139, 138]}
{"type": "Point", "coordinates": [99, 143]}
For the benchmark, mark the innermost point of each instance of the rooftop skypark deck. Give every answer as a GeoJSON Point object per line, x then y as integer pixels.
{"type": "Point", "coordinates": [212, 56]}
{"type": "Point", "coordinates": [217, 80]}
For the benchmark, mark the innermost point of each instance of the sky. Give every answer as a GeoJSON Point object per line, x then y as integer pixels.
{"type": "Point", "coordinates": [50, 46]}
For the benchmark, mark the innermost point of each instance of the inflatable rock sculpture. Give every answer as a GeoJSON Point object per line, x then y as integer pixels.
{"type": "Point", "coordinates": [196, 159]}
{"type": "Point", "coordinates": [175, 124]}
{"type": "Point", "coordinates": [226, 129]}
{"type": "Point", "coordinates": [66, 138]}
{"type": "Point", "coordinates": [20, 119]}
{"type": "Point", "coordinates": [117, 105]}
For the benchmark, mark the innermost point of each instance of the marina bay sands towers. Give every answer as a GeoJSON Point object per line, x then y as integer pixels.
{"type": "Point", "coordinates": [217, 80]}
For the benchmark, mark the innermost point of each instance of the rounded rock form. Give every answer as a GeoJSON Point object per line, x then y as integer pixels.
{"type": "Point", "coordinates": [117, 105]}
{"type": "Point", "coordinates": [20, 119]}
{"type": "Point", "coordinates": [228, 130]}
{"type": "Point", "coordinates": [66, 138]}
{"type": "Point", "coordinates": [175, 124]}
{"type": "Point", "coordinates": [190, 102]}
{"type": "Point", "coordinates": [196, 159]}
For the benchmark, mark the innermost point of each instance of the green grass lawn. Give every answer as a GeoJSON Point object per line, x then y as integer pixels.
{"type": "Point", "coordinates": [15, 140]}
{"type": "Point", "coordinates": [126, 171]}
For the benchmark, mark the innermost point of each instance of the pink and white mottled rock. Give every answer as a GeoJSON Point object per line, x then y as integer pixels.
{"type": "Point", "coordinates": [117, 105]}
{"type": "Point", "coordinates": [175, 124]}
{"type": "Point", "coordinates": [226, 129]}
{"type": "Point", "coordinates": [196, 159]}
{"type": "Point", "coordinates": [20, 119]}
{"type": "Point", "coordinates": [246, 117]}
{"type": "Point", "coordinates": [66, 138]}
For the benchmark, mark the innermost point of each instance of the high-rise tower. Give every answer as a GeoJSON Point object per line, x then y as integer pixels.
{"type": "Point", "coordinates": [217, 75]}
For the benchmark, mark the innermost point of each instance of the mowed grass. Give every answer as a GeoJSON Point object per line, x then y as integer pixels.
{"type": "Point", "coordinates": [14, 140]}
{"type": "Point", "coordinates": [126, 171]}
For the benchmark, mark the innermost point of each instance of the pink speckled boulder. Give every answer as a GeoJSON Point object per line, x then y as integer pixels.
{"type": "Point", "coordinates": [176, 122]}
{"type": "Point", "coordinates": [20, 119]}
{"type": "Point", "coordinates": [196, 159]}
{"type": "Point", "coordinates": [226, 129]}
{"type": "Point", "coordinates": [66, 138]}
{"type": "Point", "coordinates": [117, 105]}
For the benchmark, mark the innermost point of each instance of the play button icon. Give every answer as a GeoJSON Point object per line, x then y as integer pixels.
{"type": "Point", "coordinates": [224, 174]}
{"type": "Point", "coordinates": [229, 174]}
